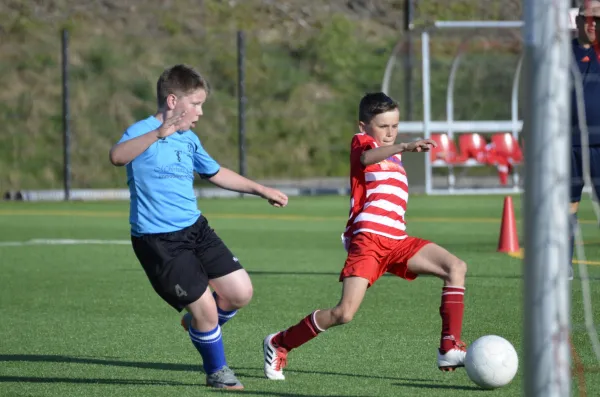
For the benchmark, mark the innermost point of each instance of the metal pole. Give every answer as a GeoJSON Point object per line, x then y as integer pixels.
{"type": "Point", "coordinates": [450, 89]}
{"type": "Point", "coordinates": [66, 116]}
{"type": "Point", "coordinates": [426, 108]}
{"type": "Point", "coordinates": [514, 100]}
{"type": "Point", "coordinates": [241, 47]}
{"type": "Point", "coordinates": [408, 60]}
{"type": "Point", "coordinates": [547, 128]}
{"type": "Point", "coordinates": [478, 24]}
{"type": "Point", "coordinates": [389, 67]}
{"type": "Point", "coordinates": [514, 113]}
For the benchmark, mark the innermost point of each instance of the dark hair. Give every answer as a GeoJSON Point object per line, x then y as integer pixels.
{"type": "Point", "coordinates": [373, 104]}
{"type": "Point", "coordinates": [179, 80]}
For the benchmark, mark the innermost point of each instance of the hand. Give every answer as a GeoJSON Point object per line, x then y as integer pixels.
{"type": "Point", "coordinates": [176, 122]}
{"type": "Point", "coordinates": [275, 197]}
{"type": "Point", "coordinates": [422, 145]}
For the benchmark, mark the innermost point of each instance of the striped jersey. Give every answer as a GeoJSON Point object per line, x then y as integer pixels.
{"type": "Point", "coordinates": [379, 193]}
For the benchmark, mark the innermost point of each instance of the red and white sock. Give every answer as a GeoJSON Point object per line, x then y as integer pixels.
{"type": "Point", "coordinates": [451, 311]}
{"type": "Point", "coordinates": [298, 334]}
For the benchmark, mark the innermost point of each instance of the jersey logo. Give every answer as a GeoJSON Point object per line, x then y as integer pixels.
{"type": "Point", "coordinates": [394, 159]}
{"type": "Point", "coordinates": [392, 163]}
{"type": "Point", "coordinates": [180, 291]}
{"type": "Point", "coordinates": [178, 153]}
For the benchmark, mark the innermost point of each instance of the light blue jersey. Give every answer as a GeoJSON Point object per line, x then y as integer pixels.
{"type": "Point", "coordinates": [161, 180]}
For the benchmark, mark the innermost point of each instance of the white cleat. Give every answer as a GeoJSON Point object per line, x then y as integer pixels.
{"type": "Point", "coordinates": [453, 358]}
{"type": "Point", "coordinates": [275, 359]}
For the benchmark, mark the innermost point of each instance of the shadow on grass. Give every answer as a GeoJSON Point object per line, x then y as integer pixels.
{"type": "Point", "coordinates": [279, 394]}
{"type": "Point", "coordinates": [97, 361]}
{"type": "Point", "coordinates": [92, 381]}
{"type": "Point", "coordinates": [177, 367]}
{"type": "Point", "coordinates": [438, 387]}
{"type": "Point", "coordinates": [415, 385]}
{"type": "Point", "coordinates": [398, 381]}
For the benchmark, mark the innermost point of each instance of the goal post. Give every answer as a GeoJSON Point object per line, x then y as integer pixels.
{"type": "Point", "coordinates": [547, 324]}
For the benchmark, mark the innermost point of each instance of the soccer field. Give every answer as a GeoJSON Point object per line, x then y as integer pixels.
{"type": "Point", "coordinates": [82, 319]}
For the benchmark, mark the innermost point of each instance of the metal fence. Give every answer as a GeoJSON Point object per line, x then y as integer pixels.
{"type": "Point", "coordinates": [291, 109]}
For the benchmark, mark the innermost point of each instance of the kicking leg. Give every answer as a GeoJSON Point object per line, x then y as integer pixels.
{"type": "Point", "coordinates": [435, 260]}
{"type": "Point", "coordinates": [205, 334]}
{"type": "Point", "coordinates": [276, 346]}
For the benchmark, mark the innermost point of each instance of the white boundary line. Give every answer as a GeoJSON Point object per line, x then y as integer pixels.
{"type": "Point", "coordinates": [62, 242]}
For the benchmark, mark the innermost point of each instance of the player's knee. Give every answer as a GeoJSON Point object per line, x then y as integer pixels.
{"type": "Point", "coordinates": [242, 297]}
{"type": "Point", "coordinates": [344, 318]}
{"type": "Point", "coordinates": [342, 315]}
{"type": "Point", "coordinates": [457, 270]}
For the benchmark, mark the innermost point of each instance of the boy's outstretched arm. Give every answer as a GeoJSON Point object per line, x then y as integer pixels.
{"type": "Point", "coordinates": [125, 152]}
{"type": "Point", "coordinates": [230, 180]}
{"type": "Point", "coordinates": [374, 156]}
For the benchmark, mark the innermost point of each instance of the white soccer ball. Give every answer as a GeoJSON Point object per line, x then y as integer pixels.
{"type": "Point", "coordinates": [491, 362]}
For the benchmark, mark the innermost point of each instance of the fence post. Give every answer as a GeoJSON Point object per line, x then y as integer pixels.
{"type": "Point", "coordinates": [241, 58]}
{"type": "Point", "coordinates": [408, 59]}
{"type": "Point", "coordinates": [66, 115]}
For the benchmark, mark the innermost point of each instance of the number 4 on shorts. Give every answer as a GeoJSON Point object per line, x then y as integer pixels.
{"type": "Point", "coordinates": [180, 291]}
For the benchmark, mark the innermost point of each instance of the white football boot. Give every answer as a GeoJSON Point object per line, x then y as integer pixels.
{"type": "Point", "coordinates": [275, 359]}
{"type": "Point", "coordinates": [453, 358]}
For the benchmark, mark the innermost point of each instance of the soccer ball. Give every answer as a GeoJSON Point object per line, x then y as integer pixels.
{"type": "Point", "coordinates": [491, 362]}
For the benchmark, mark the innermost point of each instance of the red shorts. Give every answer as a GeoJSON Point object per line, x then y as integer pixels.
{"type": "Point", "coordinates": [371, 255]}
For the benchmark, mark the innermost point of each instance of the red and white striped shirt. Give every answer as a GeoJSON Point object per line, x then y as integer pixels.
{"type": "Point", "coordinates": [379, 193]}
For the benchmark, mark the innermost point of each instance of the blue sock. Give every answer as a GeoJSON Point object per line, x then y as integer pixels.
{"type": "Point", "coordinates": [572, 227]}
{"type": "Point", "coordinates": [224, 316]}
{"type": "Point", "coordinates": [210, 347]}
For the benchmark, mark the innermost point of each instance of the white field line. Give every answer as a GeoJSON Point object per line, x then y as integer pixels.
{"type": "Point", "coordinates": [62, 242]}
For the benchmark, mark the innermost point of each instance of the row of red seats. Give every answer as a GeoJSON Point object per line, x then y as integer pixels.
{"type": "Point", "coordinates": [503, 151]}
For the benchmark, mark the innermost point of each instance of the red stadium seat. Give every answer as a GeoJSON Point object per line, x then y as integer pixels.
{"type": "Point", "coordinates": [507, 154]}
{"type": "Point", "coordinates": [507, 146]}
{"type": "Point", "coordinates": [445, 152]}
{"type": "Point", "coordinates": [503, 153]}
{"type": "Point", "coordinates": [472, 148]}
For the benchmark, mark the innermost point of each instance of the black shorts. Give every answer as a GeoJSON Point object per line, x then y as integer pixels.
{"type": "Point", "coordinates": [577, 181]}
{"type": "Point", "coordinates": [180, 264]}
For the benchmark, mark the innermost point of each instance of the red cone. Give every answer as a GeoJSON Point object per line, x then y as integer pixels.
{"type": "Point", "coordinates": [509, 240]}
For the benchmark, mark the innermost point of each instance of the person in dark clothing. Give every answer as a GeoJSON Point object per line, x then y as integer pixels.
{"type": "Point", "coordinates": [586, 56]}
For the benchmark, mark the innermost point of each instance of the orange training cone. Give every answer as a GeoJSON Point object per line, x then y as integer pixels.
{"type": "Point", "coordinates": [509, 240]}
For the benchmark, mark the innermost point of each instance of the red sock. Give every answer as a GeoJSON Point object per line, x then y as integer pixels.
{"type": "Point", "coordinates": [298, 334]}
{"type": "Point", "coordinates": [451, 311]}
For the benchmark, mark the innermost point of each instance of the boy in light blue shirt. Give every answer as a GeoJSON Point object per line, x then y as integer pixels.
{"type": "Point", "coordinates": [180, 253]}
